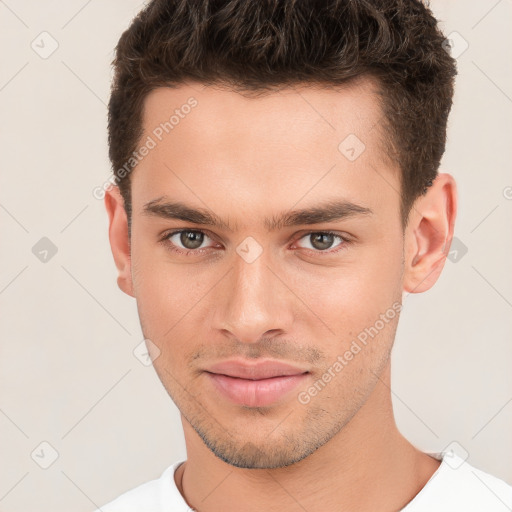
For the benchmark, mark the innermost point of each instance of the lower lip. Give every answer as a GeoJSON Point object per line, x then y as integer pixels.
{"type": "Point", "coordinates": [256, 393]}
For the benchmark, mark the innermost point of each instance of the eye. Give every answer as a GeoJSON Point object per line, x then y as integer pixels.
{"type": "Point", "coordinates": [321, 241]}
{"type": "Point", "coordinates": [191, 242]}
{"type": "Point", "coordinates": [186, 240]}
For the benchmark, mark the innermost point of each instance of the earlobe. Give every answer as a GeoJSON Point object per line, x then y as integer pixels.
{"type": "Point", "coordinates": [119, 238]}
{"type": "Point", "coordinates": [429, 234]}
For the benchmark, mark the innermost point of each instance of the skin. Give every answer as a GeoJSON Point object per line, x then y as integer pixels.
{"type": "Point", "coordinates": [246, 159]}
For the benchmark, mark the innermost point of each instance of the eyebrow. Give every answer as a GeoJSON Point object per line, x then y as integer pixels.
{"type": "Point", "coordinates": [329, 211]}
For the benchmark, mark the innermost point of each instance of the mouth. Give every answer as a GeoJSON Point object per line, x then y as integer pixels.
{"type": "Point", "coordinates": [255, 384]}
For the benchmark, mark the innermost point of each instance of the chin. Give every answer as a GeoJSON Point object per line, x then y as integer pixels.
{"type": "Point", "coordinates": [250, 455]}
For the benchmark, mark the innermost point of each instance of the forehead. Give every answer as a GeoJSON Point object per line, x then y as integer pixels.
{"type": "Point", "coordinates": [268, 151]}
{"type": "Point", "coordinates": [307, 112]}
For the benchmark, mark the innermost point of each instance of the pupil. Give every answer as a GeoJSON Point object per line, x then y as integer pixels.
{"type": "Point", "coordinates": [322, 240]}
{"type": "Point", "coordinates": [191, 239]}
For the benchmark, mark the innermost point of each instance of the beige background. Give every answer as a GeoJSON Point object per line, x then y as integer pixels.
{"type": "Point", "coordinates": [68, 374]}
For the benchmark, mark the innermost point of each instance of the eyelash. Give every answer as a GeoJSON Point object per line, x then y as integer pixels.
{"type": "Point", "coordinates": [194, 252]}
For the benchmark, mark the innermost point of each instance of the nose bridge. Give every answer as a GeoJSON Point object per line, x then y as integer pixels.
{"type": "Point", "coordinates": [254, 303]}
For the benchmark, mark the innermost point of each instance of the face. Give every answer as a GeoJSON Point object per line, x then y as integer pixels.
{"type": "Point", "coordinates": [267, 262]}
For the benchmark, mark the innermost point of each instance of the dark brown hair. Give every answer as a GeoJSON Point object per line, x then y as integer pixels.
{"type": "Point", "coordinates": [262, 45]}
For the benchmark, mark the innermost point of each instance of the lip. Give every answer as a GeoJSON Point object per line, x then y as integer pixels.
{"type": "Point", "coordinates": [255, 384]}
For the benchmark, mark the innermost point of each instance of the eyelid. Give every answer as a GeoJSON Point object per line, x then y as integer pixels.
{"type": "Point", "coordinates": [165, 237]}
{"type": "Point", "coordinates": [345, 240]}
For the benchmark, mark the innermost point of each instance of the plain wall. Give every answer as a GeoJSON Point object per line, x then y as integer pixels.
{"type": "Point", "coordinates": [68, 376]}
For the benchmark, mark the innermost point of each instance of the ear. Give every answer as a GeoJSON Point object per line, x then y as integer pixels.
{"type": "Point", "coordinates": [119, 239]}
{"type": "Point", "coordinates": [429, 234]}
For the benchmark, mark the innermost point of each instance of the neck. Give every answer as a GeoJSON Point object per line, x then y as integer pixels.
{"type": "Point", "coordinates": [367, 466]}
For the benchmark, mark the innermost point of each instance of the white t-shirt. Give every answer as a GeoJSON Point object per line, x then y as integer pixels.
{"type": "Point", "coordinates": [456, 486]}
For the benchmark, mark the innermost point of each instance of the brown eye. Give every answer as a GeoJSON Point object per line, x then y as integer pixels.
{"type": "Point", "coordinates": [191, 239]}
{"type": "Point", "coordinates": [322, 241]}
{"type": "Point", "coordinates": [187, 240]}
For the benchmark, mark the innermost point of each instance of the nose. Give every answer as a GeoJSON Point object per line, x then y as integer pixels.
{"type": "Point", "coordinates": [254, 302]}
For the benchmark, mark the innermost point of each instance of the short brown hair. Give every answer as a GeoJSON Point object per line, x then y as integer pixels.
{"type": "Point", "coordinates": [261, 45]}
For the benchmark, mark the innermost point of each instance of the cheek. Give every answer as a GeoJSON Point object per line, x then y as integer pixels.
{"type": "Point", "coordinates": [165, 303]}
{"type": "Point", "coordinates": [355, 291]}
{"type": "Point", "coordinates": [348, 296]}
{"type": "Point", "coordinates": [167, 292]}
{"type": "Point", "coordinates": [358, 301]}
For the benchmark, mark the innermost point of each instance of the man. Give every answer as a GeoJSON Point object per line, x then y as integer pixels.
{"type": "Point", "coordinates": [276, 196]}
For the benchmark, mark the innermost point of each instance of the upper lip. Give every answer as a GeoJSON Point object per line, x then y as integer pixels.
{"type": "Point", "coordinates": [244, 369]}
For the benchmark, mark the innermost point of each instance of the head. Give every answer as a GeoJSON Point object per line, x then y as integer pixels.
{"type": "Point", "coordinates": [277, 191]}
